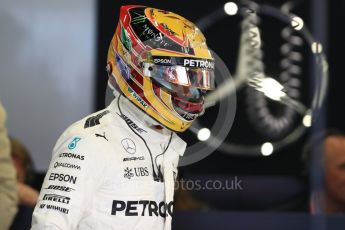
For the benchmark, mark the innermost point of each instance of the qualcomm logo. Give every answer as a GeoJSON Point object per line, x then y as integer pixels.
{"type": "Point", "coordinates": [66, 165]}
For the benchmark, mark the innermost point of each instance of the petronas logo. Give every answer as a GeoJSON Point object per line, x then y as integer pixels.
{"type": "Point", "coordinates": [137, 97]}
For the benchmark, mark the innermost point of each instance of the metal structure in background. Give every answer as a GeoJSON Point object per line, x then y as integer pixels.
{"type": "Point", "coordinates": [283, 89]}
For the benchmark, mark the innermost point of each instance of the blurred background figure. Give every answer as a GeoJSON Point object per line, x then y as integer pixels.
{"type": "Point", "coordinates": [332, 143]}
{"type": "Point", "coordinates": [8, 190]}
{"type": "Point", "coordinates": [334, 158]}
{"type": "Point", "coordinates": [25, 177]}
{"type": "Point", "coordinates": [24, 167]}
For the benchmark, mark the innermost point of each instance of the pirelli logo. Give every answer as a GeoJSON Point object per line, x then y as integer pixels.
{"type": "Point", "coordinates": [57, 198]}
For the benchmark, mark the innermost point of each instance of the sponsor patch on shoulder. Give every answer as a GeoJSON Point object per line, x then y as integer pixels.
{"type": "Point", "coordinates": [95, 120]}
{"type": "Point", "coordinates": [73, 143]}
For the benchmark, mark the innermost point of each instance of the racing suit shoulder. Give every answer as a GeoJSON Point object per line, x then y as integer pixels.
{"type": "Point", "coordinates": [87, 126]}
{"type": "Point", "coordinates": [76, 171]}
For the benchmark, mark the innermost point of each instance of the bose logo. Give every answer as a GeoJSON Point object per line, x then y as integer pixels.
{"type": "Point", "coordinates": [131, 123]}
{"type": "Point", "coordinates": [60, 188]}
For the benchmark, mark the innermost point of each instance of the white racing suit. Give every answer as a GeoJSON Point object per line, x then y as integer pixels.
{"type": "Point", "coordinates": [110, 171]}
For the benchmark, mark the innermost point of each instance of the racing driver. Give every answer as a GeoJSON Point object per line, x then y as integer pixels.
{"type": "Point", "coordinates": [115, 169]}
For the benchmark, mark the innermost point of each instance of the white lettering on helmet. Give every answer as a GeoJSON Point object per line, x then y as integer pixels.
{"type": "Point", "coordinates": [162, 61]}
{"type": "Point", "coordinates": [198, 63]}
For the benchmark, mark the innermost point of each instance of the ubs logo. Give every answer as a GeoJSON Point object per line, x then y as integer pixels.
{"type": "Point", "coordinates": [129, 146]}
{"type": "Point", "coordinates": [136, 172]}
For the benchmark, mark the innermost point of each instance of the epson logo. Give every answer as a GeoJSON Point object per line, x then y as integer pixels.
{"type": "Point", "coordinates": [60, 188]}
{"type": "Point", "coordinates": [162, 61]}
{"type": "Point", "coordinates": [56, 198]}
{"type": "Point", "coordinates": [72, 155]}
{"type": "Point", "coordinates": [66, 165]}
{"type": "Point", "coordinates": [198, 63]}
{"type": "Point", "coordinates": [63, 177]}
{"type": "Point", "coordinates": [142, 208]}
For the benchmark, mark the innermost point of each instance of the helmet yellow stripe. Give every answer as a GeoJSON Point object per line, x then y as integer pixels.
{"type": "Point", "coordinates": [166, 98]}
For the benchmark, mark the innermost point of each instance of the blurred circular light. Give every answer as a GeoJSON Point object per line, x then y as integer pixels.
{"type": "Point", "coordinates": [267, 149]}
{"type": "Point", "coordinates": [307, 120]}
{"type": "Point", "coordinates": [204, 134]}
{"type": "Point", "coordinates": [297, 23]}
{"type": "Point", "coordinates": [316, 47]}
{"type": "Point", "coordinates": [230, 8]}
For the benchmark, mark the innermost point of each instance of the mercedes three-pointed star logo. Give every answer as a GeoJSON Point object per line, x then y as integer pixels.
{"type": "Point", "coordinates": [128, 145]}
